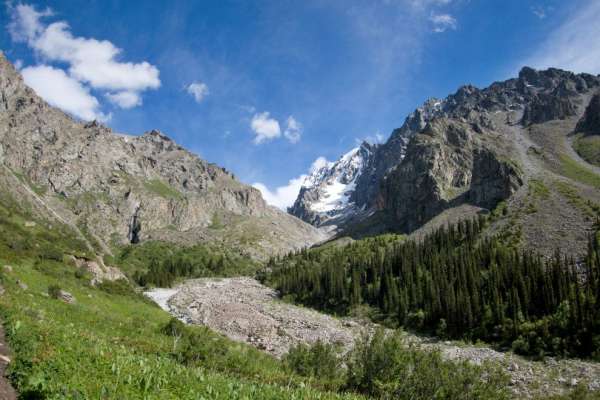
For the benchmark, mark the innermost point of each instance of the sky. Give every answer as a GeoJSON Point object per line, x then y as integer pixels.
{"type": "Point", "coordinates": [271, 88]}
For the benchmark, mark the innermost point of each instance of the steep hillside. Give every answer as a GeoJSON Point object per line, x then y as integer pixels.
{"type": "Point", "coordinates": [477, 149]}
{"type": "Point", "coordinates": [116, 189]}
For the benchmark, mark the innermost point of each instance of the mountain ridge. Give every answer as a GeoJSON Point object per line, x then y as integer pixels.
{"type": "Point", "coordinates": [120, 188]}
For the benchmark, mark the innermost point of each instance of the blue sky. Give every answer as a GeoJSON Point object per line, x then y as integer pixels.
{"type": "Point", "coordinates": [264, 88]}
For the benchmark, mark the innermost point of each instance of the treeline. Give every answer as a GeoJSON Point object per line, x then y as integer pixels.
{"type": "Point", "coordinates": [164, 273]}
{"type": "Point", "coordinates": [457, 284]}
{"type": "Point", "coordinates": [161, 264]}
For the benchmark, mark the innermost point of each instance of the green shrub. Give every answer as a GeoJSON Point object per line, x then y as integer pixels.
{"type": "Point", "coordinates": [320, 360]}
{"type": "Point", "coordinates": [54, 291]}
{"type": "Point", "coordinates": [384, 367]}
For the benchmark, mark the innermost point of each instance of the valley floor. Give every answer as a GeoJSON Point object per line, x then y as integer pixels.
{"type": "Point", "coordinates": [246, 311]}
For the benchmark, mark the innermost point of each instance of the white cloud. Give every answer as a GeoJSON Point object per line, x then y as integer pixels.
{"type": "Point", "coordinates": [90, 61]}
{"type": "Point", "coordinates": [574, 45]}
{"type": "Point", "coordinates": [125, 99]}
{"type": "Point", "coordinates": [293, 131]}
{"type": "Point", "coordinates": [62, 91]}
{"type": "Point", "coordinates": [264, 127]}
{"type": "Point", "coordinates": [25, 22]}
{"type": "Point", "coordinates": [198, 90]}
{"type": "Point", "coordinates": [443, 22]}
{"type": "Point", "coordinates": [375, 138]}
{"type": "Point", "coordinates": [285, 196]}
{"type": "Point", "coordinates": [539, 11]}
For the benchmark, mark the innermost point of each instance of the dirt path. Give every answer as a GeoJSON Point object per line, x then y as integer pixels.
{"type": "Point", "coordinates": [246, 311]}
{"type": "Point", "coordinates": [6, 390]}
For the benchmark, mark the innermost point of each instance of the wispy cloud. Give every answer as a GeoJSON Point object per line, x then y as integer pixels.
{"type": "Point", "coordinates": [539, 12]}
{"type": "Point", "coordinates": [573, 45]}
{"type": "Point", "coordinates": [443, 22]}
{"type": "Point", "coordinates": [293, 131]}
{"type": "Point", "coordinates": [198, 90]}
{"type": "Point", "coordinates": [91, 63]}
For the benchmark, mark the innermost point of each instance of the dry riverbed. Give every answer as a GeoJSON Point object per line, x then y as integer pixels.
{"type": "Point", "coordinates": [247, 311]}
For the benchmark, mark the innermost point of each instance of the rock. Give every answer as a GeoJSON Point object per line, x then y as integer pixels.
{"type": "Point", "coordinates": [22, 285]}
{"type": "Point", "coordinates": [131, 188]}
{"type": "Point", "coordinates": [573, 382]}
{"type": "Point", "coordinates": [30, 224]}
{"type": "Point", "coordinates": [590, 122]}
{"type": "Point", "coordinates": [7, 268]}
{"type": "Point", "coordinates": [513, 367]}
{"type": "Point", "coordinates": [66, 297]}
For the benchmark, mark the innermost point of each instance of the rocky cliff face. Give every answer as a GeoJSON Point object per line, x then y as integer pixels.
{"type": "Point", "coordinates": [328, 196]}
{"type": "Point", "coordinates": [120, 188]}
{"type": "Point", "coordinates": [465, 149]}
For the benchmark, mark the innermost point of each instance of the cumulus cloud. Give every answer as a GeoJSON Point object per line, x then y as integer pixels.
{"type": "Point", "coordinates": [90, 61]}
{"type": "Point", "coordinates": [574, 44]}
{"type": "Point", "coordinates": [442, 22]}
{"type": "Point", "coordinates": [62, 91]}
{"type": "Point", "coordinates": [283, 197]}
{"type": "Point", "coordinates": [264, 127]}
{"type": "Point", "coordinates": [293, 131]}
{"type": "Point", "coordinates": [198, 90]}
{"type": "Point", "coordinates": [125, 99]}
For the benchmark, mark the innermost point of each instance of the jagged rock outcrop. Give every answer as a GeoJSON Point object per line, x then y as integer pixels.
{"type": "Point", "coordinates": [327, 196]}
{"type": "Point", "coordinates": [590, 123]}
{"type": "Point", "coordinates": [462, 149]}
{"type": "Point", "coordinates": [118, 188]}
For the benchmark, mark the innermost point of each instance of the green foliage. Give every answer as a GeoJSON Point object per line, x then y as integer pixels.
{"type": "Point", "coordinates": [319, 361]}
{"type": "Point", "coordinates": [54, 291]}
{"type": "Point", "coordinates": [384, 367]}
{"type": "Point", "coordinates": [574, 170]}
{"type": "Point", "coordinates": [574, 198]}
{"type": "Point", "coordinates": [588, 147]}
{"type": "Point", "coordinates": [162, 264]}
{"type": "Point", "coordinates": [162, 189]}
{"type": "Point", "coordinates": [537, 188]}
{"type": "Point", "coordinates": [457, 283]}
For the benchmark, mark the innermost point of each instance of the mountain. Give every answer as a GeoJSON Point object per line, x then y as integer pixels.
{"type": "Point", "coordinates": [115, 189]}
{"type": "Point", "coordinates": [478, 149]}
{"type": "Point", "coordinates": [327, 196]}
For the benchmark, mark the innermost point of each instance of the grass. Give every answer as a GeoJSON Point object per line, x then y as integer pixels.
{"type": "Point", "coordinates": [572, 169]}
{"type": "Point", "coordinates": [538, 189]}
{"type": "Point", "coordinates": [588, 147]}
{"type": "Point", "coordinates": [111, 346]}
{"type": "Point", "coordinates": [162, 189]}
{"type": "Point", "coordinates": [572, 195]}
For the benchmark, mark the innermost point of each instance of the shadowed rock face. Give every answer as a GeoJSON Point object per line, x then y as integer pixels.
{"type": "Point", "coordinates": [125, 188]}
{"type": "Point", "coordinates": [590, 123]}
{"type": "Point", "coordinates": [460, 150]}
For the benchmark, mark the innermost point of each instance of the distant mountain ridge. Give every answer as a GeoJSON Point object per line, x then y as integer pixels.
{"type": "Point", "coordinates": [475, 148]}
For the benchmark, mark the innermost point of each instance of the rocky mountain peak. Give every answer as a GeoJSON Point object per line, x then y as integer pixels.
{"type": "Point", "coordinates": [326, 196]}
{"type": "Point", "coordinates": [124, 187]}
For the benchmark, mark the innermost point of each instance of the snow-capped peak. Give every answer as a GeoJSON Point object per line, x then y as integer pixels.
{"type": "Point", "coordinates": [326, 193]}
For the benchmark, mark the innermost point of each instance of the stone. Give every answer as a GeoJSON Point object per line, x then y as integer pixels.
{"type": "Point", "coordinates": [7, 268]}
{"type": "Point", "coordinates": [66, 297]}
{"type": "Point", "coordinates": [22, 285]}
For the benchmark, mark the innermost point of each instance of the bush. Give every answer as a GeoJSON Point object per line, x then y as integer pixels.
{"type": "Point", "coordinates": [384, 367]}
{"type": "Point", "coordinates": [320, 360]}
{"type": "Point", "coordinates": [54, 291]}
